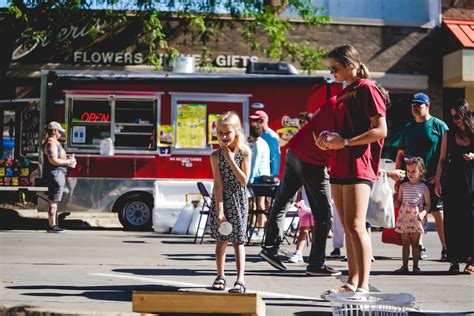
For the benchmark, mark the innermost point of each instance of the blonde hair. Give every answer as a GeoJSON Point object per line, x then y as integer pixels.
{"type": "Point", "coordinates": [232, 118]}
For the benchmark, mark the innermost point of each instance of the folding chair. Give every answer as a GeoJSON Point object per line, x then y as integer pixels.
{"type": "Point", "coordinates": [206, 210]}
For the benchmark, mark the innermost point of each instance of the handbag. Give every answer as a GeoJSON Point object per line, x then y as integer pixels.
{"type": "Point", "coordinates": [380, 212]}
{"type": "Point", "coordinates": [390, 236]}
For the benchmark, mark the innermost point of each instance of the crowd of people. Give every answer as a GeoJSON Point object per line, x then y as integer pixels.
{"type": "Point", "coordinates": [335, 157]}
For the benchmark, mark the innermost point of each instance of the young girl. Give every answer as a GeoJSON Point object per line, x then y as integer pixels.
{"type": "Point", "coordinates": [306, 224]}
{"type": "Point", "coordinates": [414, 197]}
{"type": "Point", "coordinates": [230, 168]}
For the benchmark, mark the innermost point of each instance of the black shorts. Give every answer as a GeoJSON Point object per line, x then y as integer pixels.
{"type": "Point", "coordinates": [352, 181]}
{"type": "Point", "coordinates": [436, 202]}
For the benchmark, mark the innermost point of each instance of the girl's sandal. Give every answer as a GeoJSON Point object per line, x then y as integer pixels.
{"type": "Point", "coordinates": [469, 269]}
{"type": "Point", "coordinates": [239, 287]}
{"type": "Point", "coordinates": [219, 284]}
{"type": "Point", "coordinates": [346, 288]}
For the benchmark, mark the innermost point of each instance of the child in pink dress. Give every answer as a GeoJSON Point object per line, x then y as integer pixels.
{"type": "Point", "coordinates": [414, 197]}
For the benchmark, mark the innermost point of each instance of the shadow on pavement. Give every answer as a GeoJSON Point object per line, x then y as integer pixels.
{"type": "Point", "coordinates": [120, 293]}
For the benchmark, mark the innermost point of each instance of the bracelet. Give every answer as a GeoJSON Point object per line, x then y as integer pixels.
{"type": "Point", "coordinates": [346, 143]}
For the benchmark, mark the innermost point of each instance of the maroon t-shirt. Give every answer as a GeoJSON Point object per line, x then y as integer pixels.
{"type": "Point", "coordinates": [355, 105]}
{"type": "Point", "coordinates": [302, 144]}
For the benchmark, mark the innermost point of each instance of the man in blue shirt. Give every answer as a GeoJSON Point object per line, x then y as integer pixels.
{"type": "Point", "coordinates": [272, 139]}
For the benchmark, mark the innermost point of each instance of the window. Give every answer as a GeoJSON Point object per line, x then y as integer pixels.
{"type": "Point", "coordinates": [131, 121]}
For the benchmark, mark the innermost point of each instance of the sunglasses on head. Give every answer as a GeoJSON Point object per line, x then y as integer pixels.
{"type": "Point", "coordinates": [456, 117]}
{"type": "Point", "coordinates": [410, 161]}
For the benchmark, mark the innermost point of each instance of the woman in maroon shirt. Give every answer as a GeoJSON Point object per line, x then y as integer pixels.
{"type": "Point", "coordinates": [360, 129]}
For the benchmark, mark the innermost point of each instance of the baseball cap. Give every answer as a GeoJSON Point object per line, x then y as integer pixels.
{"type": "Point", "coordinates": [259, 115]}
{"type": "Point", "coordinates": [56, 125]}
{"type": "Point", "coordinates": [420, 98]}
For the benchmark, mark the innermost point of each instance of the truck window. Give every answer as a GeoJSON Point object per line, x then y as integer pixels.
{"type": "Point", "coordinates": [131, 121]}
{"type": "Point", "coordinates": [135, 124]}
{"type": "Point", "coordinates": [90, 122]}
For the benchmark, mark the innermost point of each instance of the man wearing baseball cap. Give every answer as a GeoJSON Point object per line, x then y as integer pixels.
{"type": "Point", "coordinates": [55, 164]}
{"type": "Point", "coordinates": [422, 138]}
{"type": "Point", "coordinates": [272, 139]}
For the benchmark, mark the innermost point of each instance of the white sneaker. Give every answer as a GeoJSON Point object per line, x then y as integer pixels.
{"type": "Point", "coordinates": [296, 257]}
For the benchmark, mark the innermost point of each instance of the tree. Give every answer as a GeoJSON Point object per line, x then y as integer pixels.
{"type": "Point", "coordinates": [38, 21]}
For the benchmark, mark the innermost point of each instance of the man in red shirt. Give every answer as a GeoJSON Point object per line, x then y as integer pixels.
{"type": "Point", "coordinates": [305, 165]}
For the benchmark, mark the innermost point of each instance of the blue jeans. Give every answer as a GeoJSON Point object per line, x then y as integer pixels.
{"type": "Point", "coordinates": [315, 180]}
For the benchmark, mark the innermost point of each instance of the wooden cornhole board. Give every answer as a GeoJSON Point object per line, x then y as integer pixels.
{"type": "Point", "coordinates": [198, 302]}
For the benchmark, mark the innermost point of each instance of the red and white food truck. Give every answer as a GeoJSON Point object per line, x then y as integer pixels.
{"type": "Point", "coordinates": [162, 127]}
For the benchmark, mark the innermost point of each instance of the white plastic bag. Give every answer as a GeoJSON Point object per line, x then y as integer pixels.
{"type": "Point", "coordinates": [182, 223]}
{"type": "Point", "coordinates": [381, 212]}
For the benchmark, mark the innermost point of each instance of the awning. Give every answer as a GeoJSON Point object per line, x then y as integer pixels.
{"type": "Point", "coordinates": [463, 30]}
{"type": "Point", "coordinates": [458, 66]}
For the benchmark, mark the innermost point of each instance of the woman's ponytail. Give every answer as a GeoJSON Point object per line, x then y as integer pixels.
{"type": "Point", "coordinates": [363, 72]}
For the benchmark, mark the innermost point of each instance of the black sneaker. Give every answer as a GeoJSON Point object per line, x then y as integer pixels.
{"type": "Point", "coordinates": [423, 253]}
{"type": "Point", "coordinates": [444, 255]}
{"type": "Point", "coordinates": [272, 258]}
{"type": "Point", "coordinates": [56, 230]}
{"type": "Point", "coordinates": [336, 252]}
{"type": "Point", "coordinates": [323, 271]}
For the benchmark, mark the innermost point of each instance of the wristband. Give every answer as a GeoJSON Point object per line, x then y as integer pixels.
{"type": "Point", "coordinates": [346, 143]}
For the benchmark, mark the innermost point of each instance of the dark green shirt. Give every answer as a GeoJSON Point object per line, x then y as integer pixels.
{"type": "Point", "coordinates": [424, 140]}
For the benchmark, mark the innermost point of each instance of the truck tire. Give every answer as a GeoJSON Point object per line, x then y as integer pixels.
{"type": "Point", "coordinates": [135, 212]}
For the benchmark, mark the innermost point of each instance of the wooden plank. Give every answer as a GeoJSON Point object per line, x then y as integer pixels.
{"type": "Point", "coordinates": [198, 302]}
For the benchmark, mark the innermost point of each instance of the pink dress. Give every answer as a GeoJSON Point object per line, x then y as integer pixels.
{"type": "Point", "coordinates": [412, 203]}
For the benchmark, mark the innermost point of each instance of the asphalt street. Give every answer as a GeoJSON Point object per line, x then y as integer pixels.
{"type": "Point", "coordinates": [95, 271]}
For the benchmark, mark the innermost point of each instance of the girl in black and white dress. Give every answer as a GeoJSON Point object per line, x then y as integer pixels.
{"type": "Point", "coordinates": [230, 168]}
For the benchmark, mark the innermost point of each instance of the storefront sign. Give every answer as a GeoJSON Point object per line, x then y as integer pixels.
{"type": "Point", "coordinates": [108, 58]}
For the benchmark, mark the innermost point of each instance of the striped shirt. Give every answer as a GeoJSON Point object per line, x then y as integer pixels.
{"type": "Point", "coordinates": [414, 194]}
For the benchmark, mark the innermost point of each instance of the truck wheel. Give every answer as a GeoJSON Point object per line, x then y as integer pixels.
{"type": "Point", "coordinates": [135, 213]}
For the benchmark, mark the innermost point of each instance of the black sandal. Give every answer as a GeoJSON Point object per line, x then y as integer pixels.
{"type": "Point", "coordinates": [239, 287]}
{"type": "Point", "coordinates": [219, 284]}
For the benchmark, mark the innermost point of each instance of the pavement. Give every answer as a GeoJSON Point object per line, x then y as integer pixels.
{"type": "Point", "coordinates": [93, 270]}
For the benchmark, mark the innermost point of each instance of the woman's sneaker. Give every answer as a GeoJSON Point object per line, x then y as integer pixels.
{"type": "Point", "coordinates": [56, 230]}
{"type": "Point", "coordinates": [296, 257]}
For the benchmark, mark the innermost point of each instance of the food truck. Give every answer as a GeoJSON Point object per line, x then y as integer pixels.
{"type": "Point", "coordinates": [135, 134]}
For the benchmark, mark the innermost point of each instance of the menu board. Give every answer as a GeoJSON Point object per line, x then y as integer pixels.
{"type": "Point", "coordinates": [29, 132]}
{"type": "Point", "coordinates": [191, 126]}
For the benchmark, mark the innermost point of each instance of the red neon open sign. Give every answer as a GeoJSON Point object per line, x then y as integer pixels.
{"type": "Point", "coordinates": [95, 117]}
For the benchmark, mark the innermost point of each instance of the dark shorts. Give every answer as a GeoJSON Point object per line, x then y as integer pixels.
{"type": "Point", "coordinates": [56, 183]}
{"type": "Point", "coordinates": [352, 181]}
{"type": "Point", "coordinates": [436, 202]}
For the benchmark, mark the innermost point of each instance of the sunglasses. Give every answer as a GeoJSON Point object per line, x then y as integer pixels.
{"type": "Point", "coordinates": [332, 69]}
{"type": "Point", "coordinates": [414, 160]}
{"type": "Point", "coordinates": [456, 117]}
{"type": "Point", "coordinates": [416, 104]}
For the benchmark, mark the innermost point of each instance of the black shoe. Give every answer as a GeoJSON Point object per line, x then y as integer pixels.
{"type": "Point", "coordinates": [56, 230]}
{"type": "Point", "coordinates": [323, 271]}
{"type": "Point", "coordinates": [423, 253]}
{"type": "Point", "coordinates": [444, 255]}
{"type": "Point", "coordinates": [336, 252]}
{"type": "Point", "coordinates": [272, 258]}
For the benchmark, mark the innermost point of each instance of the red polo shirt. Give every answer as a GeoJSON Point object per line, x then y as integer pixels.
{"type": "Point", "coordinates": [302, 144]}
{"type": "Point", "coordinates": [355, 105]}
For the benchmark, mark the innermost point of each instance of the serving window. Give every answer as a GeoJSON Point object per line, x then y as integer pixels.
{"type": "Point", "coordinates": [194, 118]}
{"type": "Point", "coordinates": [131, 121]}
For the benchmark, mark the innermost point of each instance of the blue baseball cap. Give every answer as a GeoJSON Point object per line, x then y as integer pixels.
{"type": "Point", "coordinates": [420, 98]}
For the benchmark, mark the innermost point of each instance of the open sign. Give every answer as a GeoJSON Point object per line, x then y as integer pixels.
{"type": "Point", "coordinates": [95, 117]}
